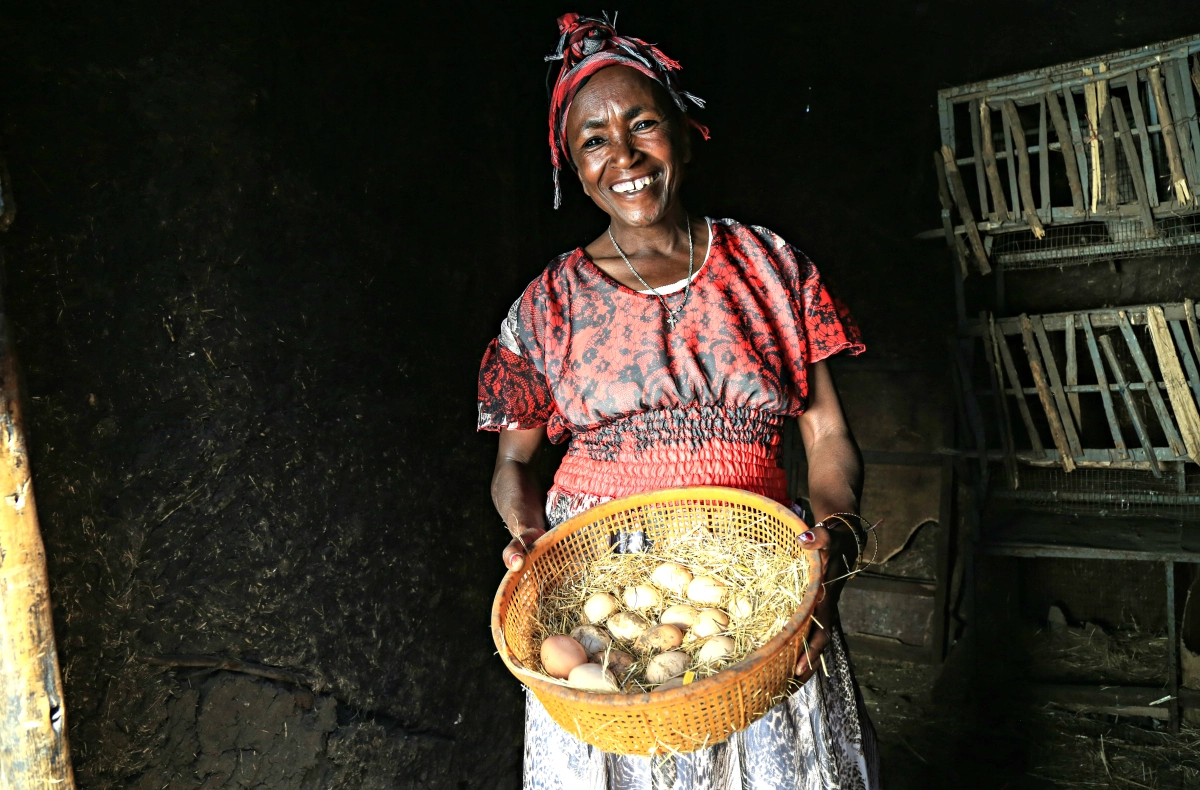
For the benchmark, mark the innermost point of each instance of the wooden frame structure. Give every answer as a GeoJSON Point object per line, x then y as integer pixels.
{"type": "Point", "coordinates": [1112, 141]}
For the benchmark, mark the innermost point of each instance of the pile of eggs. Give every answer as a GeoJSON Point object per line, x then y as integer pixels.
{"type": "Point", "coordinates": [651, 627]}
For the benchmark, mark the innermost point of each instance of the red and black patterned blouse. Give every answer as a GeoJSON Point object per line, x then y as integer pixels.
{"type": "Point", "coordinates": [647, 407]}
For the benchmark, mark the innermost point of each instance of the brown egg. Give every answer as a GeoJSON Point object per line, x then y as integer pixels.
{"type": "Point", "coordinates": [681, 616]}
{"type": "Point", "coordinates": [627, 625]}
{"type": "Point", "coordinates": [710, 622]}
{"type": "Point", "coordinates": [671, 576]}
{"type": "Point", "coordinates": [599, 607]}
{"type": "Point", "coordinates": [643, 596]}
{"type": "Point", "coordinates": [618, 661]}
{"type": "Point", "coordinates": [706, 590]}
{"type": "Point", "coordinates": [660, 638]}
{"type": "Point", "coordinates": [593, 677]}
{"type": "Point", "coordinates": [716, 649]}
{"type": "Point", "coordinates": [561, 654]}
{"type": "Point", "coordinates": [666, 666]}
{"type": "Point", "coordinates": [741, 607]}
{"type": "Point", "coordinates": [593, 638]}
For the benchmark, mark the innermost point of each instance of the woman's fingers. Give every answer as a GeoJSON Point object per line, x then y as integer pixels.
{"type": "Point", "coordinates": [514, 553]}
{"type": "Point", "coordinates": [818, 638]}
{"type": "Point", "coordinates": [815, 538]}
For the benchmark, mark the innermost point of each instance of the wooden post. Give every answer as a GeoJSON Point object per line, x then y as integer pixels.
{"type": "Point", "coordinates": [1140, 125]}
{"type": "Point", "coordinates": [1135, 168]}
{"type": "Point", "coordinates": [33, 722]}
{"type": "Point", "coordinates": [959, 193]}
{"type": "Point", "coordinates": [1063, 132]}
{"type": "Point", "coordinates": [1009, 109]}
{"type": "Point", "coordinates": [999, 202]}
{"type": "Point", "coordinates": [1179, 184]}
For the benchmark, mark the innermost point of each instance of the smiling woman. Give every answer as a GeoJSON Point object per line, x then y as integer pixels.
{"type": "Point", "coordinates": [669, 351]}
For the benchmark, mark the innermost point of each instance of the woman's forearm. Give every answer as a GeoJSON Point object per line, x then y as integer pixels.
{"type": "Point", "coordinates": [835, 475]}
{"type": "Point", "coordinates": [518, 496]}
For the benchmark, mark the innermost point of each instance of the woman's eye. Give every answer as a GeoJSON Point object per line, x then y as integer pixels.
{"type": "Point", "coordinates": [593, 142]}
{"type": "Point", "coordinates": [642, 126]}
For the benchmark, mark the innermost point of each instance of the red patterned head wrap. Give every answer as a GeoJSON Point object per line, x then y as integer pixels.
{"type": "Point", "coordinates": [587, 45]}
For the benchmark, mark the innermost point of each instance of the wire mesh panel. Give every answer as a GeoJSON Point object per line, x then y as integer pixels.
{"type": "Point", "coordinates": [1083, 161]}
{"type": "Point", "coordinates": [1108, 492]}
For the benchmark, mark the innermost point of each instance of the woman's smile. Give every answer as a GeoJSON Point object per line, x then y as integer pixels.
{"type": "Point", "coordinates": [635, 184]}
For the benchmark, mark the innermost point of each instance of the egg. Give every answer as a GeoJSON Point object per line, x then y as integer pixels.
{"type": "Point", "coordinates": [716, 649]}
{"type": "Point", "coordinates": [561, 654]}
{"type": "Point", "coordinates": [643, 596]}
{"type": "Point", "coordinates": [593, 677]}
{"type": "Point", "coordinates": [660, 638]}
{"type": "Point", "coordinates": [709, 622]}
{"type": "Point", "coordinates": [673, 683]}
{"type": "Point", "coordinates": [741, 607]}
{"type": "Point", "coordinates": [627, 625]}
{"type": "Point", "coordinates": [671, 576]}
{"type": "Point", "coordinates": [593, 638]}
{"type": "Point", "coordinates": [681, 616]}
{"type": "Point", "coordinates": [618, 661]}
{"type": "Point", "coordinates": [706, 590]}
{"type": "Point", "coordinates": [666, 666]}
{"type": "Point", "coordinates": [600, 607]}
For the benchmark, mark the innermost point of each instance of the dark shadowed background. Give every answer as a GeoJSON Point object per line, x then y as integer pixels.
{"type": "Point", "coordinates": [259, 251]}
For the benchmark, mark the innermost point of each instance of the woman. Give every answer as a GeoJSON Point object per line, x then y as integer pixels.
{"type": "Point", "coordinates": [669, 351]}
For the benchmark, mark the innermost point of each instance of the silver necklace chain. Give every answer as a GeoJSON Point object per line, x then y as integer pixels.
{"type": "Point", "coordinates": [672, 315]}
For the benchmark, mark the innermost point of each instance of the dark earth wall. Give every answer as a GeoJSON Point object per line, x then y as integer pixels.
{"type": "Point", "coordinates": [260, 249]}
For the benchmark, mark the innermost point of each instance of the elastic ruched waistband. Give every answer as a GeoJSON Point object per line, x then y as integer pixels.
{"type": "Point", "coordinates": [670, 449]}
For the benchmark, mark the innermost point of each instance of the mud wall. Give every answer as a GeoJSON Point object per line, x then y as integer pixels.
{"type": "Point", "coordinates": [259, 251]}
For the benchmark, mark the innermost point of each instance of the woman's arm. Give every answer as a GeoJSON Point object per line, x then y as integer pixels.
{"type": "Point", "coordinates": [516, 493]}
{"type": "Point", "coordinates": [835, 478]}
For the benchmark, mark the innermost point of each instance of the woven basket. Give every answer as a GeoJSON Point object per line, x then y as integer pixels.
{"type": "Point", "coordinates": [683, 719]}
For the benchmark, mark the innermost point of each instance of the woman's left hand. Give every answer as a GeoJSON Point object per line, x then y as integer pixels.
{"type": "Point", "coordinates": [838, 550]}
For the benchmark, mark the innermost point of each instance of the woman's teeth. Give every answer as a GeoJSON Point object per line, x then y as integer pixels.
{"type": "Point", "coordinates": [635, 185]}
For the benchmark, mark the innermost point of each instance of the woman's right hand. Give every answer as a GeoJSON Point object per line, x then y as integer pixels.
{"type": "Point", "coordinates": [514, 552]}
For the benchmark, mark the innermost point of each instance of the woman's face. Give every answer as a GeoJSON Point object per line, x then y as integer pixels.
{"type": "Point", "coordinates": [627, 144]}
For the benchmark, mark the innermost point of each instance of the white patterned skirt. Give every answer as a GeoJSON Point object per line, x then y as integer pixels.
{"type": "Point", "coordinates": [819, 738]}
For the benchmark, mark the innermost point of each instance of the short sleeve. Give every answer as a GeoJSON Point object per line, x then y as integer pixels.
{"type": "Point", "coordinates": [513, 393]}
{"type": "Point", "coordinates": [828, 326]}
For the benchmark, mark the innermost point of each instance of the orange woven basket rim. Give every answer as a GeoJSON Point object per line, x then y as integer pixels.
{"type": "Point", "coordinates": [669, 697]}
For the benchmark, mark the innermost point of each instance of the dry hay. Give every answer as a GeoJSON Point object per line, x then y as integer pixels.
{"type": "Point", "coordinates": [767, 575]}
{"type": "Point", "coordinates": [1093, 654]}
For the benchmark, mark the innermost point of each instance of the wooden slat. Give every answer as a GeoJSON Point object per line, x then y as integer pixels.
{"type": "Point", "coordinates": [1111, 193]}
{"type": "Point", "coordinates": [1142, 129]}
{"type": "Point", "coordinates": [1187, 153]}
{"type": "Point", "coordinates": [1093, 142]}
{"type": "Point", "coordinates": [1185, 351]}
{"type": "Point", "coordinates": [953, 241]}
{"type": "Point", "coordinates": [1003, 420]}
{"type": "Point", "coordinates": [1063, 132]}
{"type": "Point", "coordinates": [1160, 407]}
{"type": "Point", "coordinates": [1177, 387]}
{"type": "Point", "coordinates": [999, 201]}
{"type": "Point", "coordinates": [999, 341]}
{"type": "Point", "coordinates": [1189, 107]}
{"type": "Point", "coordinates": [1102, 380]}
{"type": "Point", "coordinates": [1056, 387]}
{"type": "Point", "coordinates": [1043, 157]}
{"type": "Point", "coordinates": [959, 192]}
{"type": "Point", "coordinates": [1072, 369]}
{"type": "Point", "coordinates": [1009, 109]}
{"type": "Point", "coordinates": [1010, 166]}
{"type": "Point", "coordinates": [1135, 168]}
{"type": "Point", "coordinates": [1179, 184]}
{"type": "Point", "coordinates": [980, 176]}
{"type": "Point", "coordinates": [1080, 148]}
{"type": "Point", "coordinates": [1135, 416]}
{"type": "Point", "coordinates": [1057, 431]}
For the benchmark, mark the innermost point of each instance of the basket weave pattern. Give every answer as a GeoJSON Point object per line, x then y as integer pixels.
{"type": "Point", "coordinates": [684, 719]}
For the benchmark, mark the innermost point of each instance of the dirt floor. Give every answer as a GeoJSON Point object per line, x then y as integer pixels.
{"type": "Point", "coordinates": [259, 250]}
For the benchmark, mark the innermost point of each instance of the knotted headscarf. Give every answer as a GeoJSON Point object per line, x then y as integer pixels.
{"type": "Point", "coordinates": [587, 45]}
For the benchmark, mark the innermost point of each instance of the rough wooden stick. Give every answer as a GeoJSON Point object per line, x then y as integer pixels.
{"type": "Point", "coordinates": [33, 721]}
{"type": "Point", "coordinates": [1072, 369]}
{"type": "Point", "coordinates": [964, 210]}
{"type": "Point", "coordinates": [1035, 439]}
{"type": "Point", "coordinates": [1010, 166]}
{"type": "Point", "coordinates": [1102, 380]}
{"type": "Point", "coordinates": [1177, 387]}
{"type": "Point", "coordinates": [1111, 192]}
{"type": "Point", "coordinates": [999, 201]}
{"type": "Point", "coordinates": [1004, 422]}
{"type": "Point", "coordinates": [231, 665]}
{"type": "Point", "coordinates": [1183, 118]}
{"type": "Point", "coordinates": [1178, 179]}
{"type": "Point", "coordinates": [1063, 132]}
{"type": "Point", "coordinates": [1189, 360]}
{"type": "Point", "coordinates": [1043, 158]}
{"type": "Point", "coordinates": [1135, 416]}
{"type": "Point", "coordinates": [981, 181]}
{"type": "Point", "coordinates": [1081, 145]}
{"type": "Point", "coordinates": [1065, 456]}
{"type": "Point", "coordinates": [952, 239]}
{"type": "Point", "coordinates": [1135, 168]}
{"type": "Point", "coordinates": [1028, 207]}
{"type": "Point", "coordinates": [1093, 142]}
{"type": "Point", "coordinates": [1056, 386]}
{"type": "Point", "coordinates": [1189, 314]}
{"type": "Point", "coordinates": [1140, 126]}
{"type": "Point", "coordinates": [1160, 407]}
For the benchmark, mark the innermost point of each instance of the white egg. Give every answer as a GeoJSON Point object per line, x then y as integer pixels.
{"type": "Point", "coordinates": [594, 639]}
{"type": "Point", "coordinates": [707, 590]}
{"type": "Point", "coordinates": [681, 616]}
{"type": "Point", "coordinates": [709, 622]}
{"type": "Point", "coordinates": [660, 638]}
{"type": "Point", "coordinates": [716, 649]}
{"type": "Point", "coordinates": [627, 625]}
{"type": "Point", "coordinates": [593, 677]}
{"type": "Point", "coordinates": [600, 607]}
{"type": "Point", "coordinates": [642, 596]}
{"type": "Point", "coordinates": [741, 607]}
{"type": "Point", "coordinates": [666, 666]}
{"type": "Point", "coordinates": [671, 576]}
